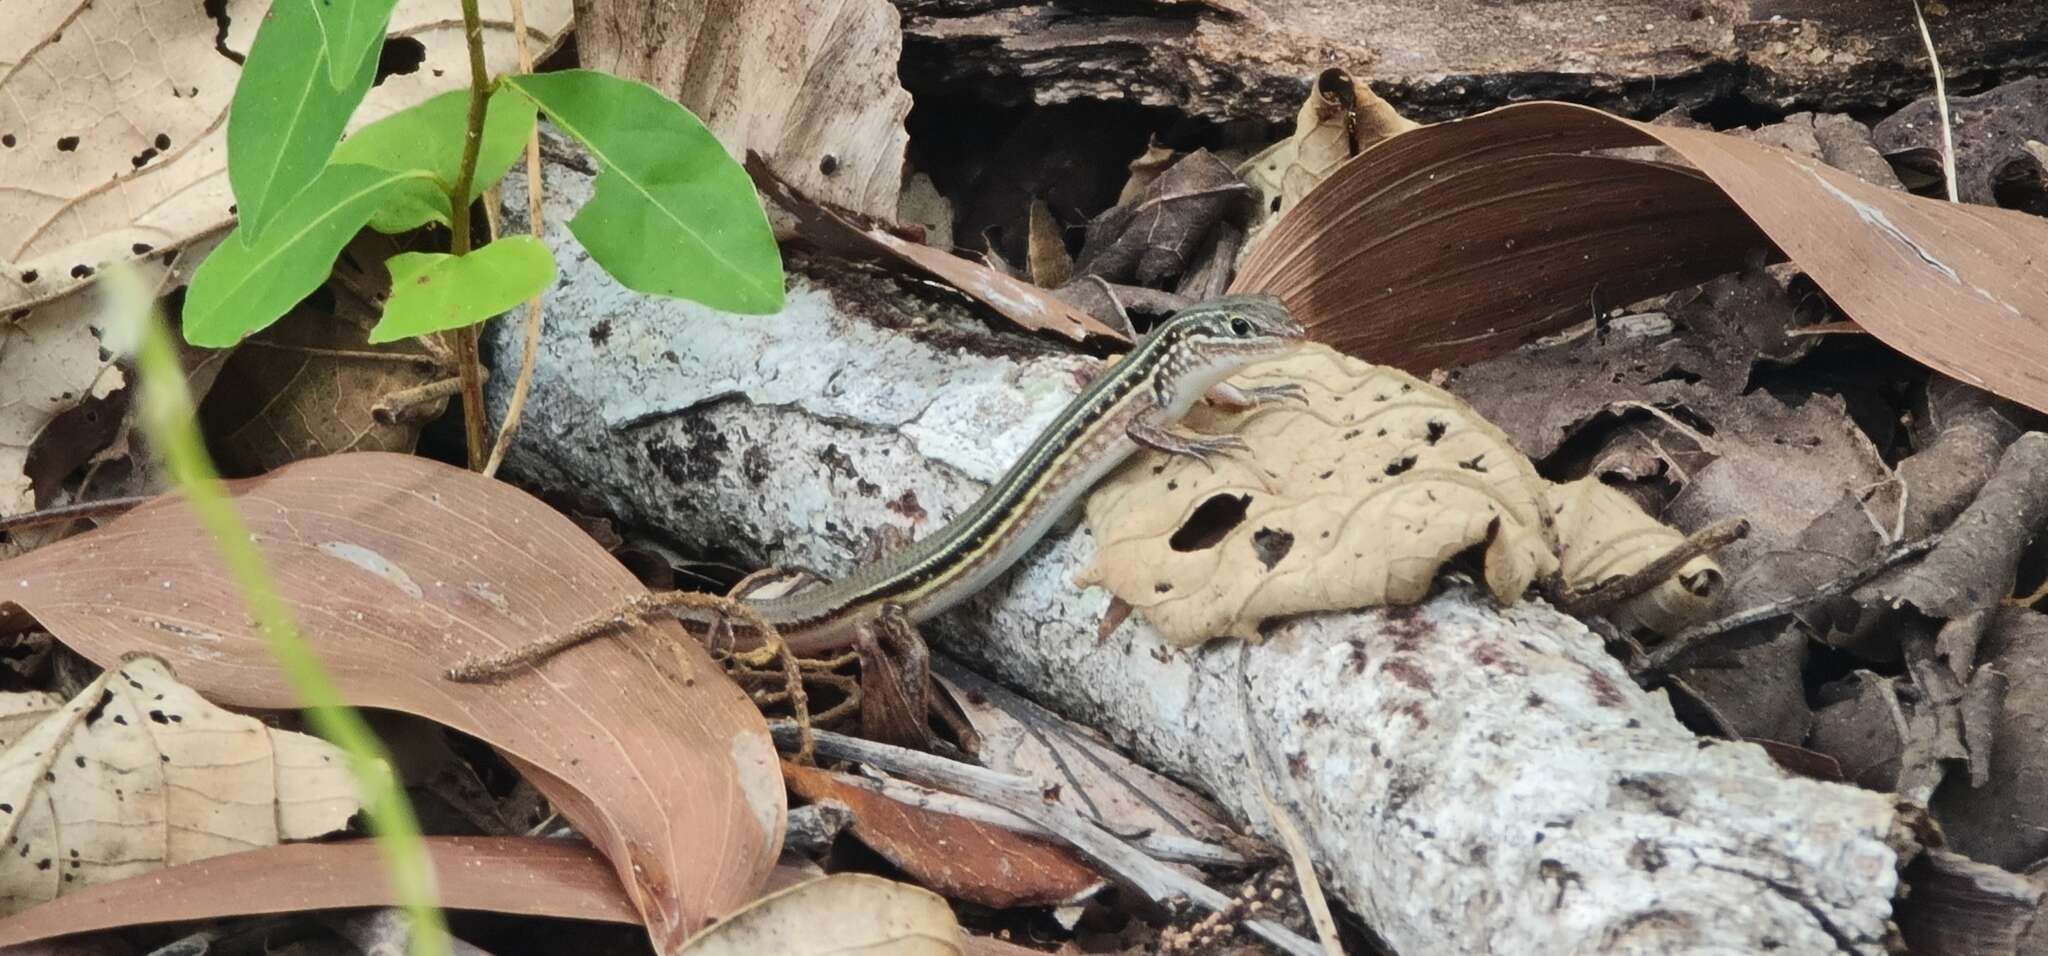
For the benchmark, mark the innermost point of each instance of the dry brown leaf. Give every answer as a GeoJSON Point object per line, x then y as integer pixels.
{"type": "Point", "coordinates": [1355, 498]}
{"type": "Point", "coordinates": [1144, 170]}
{"type": "Point", "coordinates": [1603, 535]}
{"type": "Point", "coordinates": [1340, 118]}
{"type": "Point", "coordinates": [1046, 249]}
{"type": "Point", "coordinates": [50, 362]}
{"type": "Point", "coordinates": [310, 385]}
{"type": "Point", "coordinates": [118, 155]}
{"type": "Point", "coordinates": [63, 401]}
{"type": "Point", "coordinates": [812, 87]}
{"type": "Point", "coordinates": [843, 914]}
{"type": "Point", "coordinates": [845, 233]}
{"type": "Point", "coordinates": [964, 859]}
{"type": "Point", "coordinates": [1089, 775]}
{"type": "Point", "coordinates": [1158, 238]}
{"type": "Point", "coordinates": [1459, 240]}
{"type": "Point", "coordinates": [399, 568]}
{"type": "Point", "coordinates": [1991, 130]}
{"type": "Point", "coordinates": [138, 772]}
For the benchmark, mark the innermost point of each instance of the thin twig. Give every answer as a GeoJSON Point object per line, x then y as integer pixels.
{"type": "Point", "coordinates": [468, 356]}
{"type": "Point", "coordinates": [482, 669]}
{"type": "Point", "coordinates": [1693, 637]}
{"type": "Point", "coordinates": [1027, 798]}
{"type": "Point", "coordinates": [398, 405]}
{"type": "Point", "coordinates": [362, 355]}
{"type": "Point", "coordinates": [529, 352]}
{"type": "Point", "coordinates": [1606, 594]}
{"type": "Point", "coordinates": [71, 512]}
{"type": "Point", "coordinates": [1948, 129]}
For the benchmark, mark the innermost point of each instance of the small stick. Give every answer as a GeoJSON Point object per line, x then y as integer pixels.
{"type": "Point", "coordinates": [398, 405]}
{"type": "Point", "coordinates": [72, 512]}
{"type": "Point", "coordinates": [1026, 797]}
{"type": "Point", "coordinates": [1606, 594]}
{"type": "Point", "coordinates": [1691, 638]}
{"type": "Point", "coordinates": [480, 669]}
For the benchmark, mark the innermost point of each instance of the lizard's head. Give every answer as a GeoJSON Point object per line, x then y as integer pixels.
{"type": "Point", "coordinates": [1210, 341]}
{"type": "Point", "coordinates": [1239, 328]}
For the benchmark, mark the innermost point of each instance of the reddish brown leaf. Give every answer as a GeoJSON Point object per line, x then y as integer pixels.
{"type": "Point", "coordinates": [525, 876]}
{"type": "Point", "coordinates": [960, 858]}
{"type": "Point", "coordinates": [398, 568]}
{"type": "Point", "coordinates": [1458, 241]}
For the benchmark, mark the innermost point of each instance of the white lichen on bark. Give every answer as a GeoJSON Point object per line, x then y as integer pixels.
{"type": "Point", "coordinates": [1472, 778]}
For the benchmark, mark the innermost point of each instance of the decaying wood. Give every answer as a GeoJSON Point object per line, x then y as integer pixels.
{"type": "Point", "coordinates": [1469, 778]}
{"type": "Point", "coordinates": [1235, 59]}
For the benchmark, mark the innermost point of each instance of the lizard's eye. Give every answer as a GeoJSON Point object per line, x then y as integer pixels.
{"type": "Point", "coordinates": [1240, 328]}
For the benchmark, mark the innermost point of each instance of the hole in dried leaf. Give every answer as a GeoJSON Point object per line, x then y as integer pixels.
{"type": "Point", "coordinates": [162, 142]}
{"type": "Point", "coordinates": [28, 276]}
{"type": "Point", "coordinates": [401, 55]}
{"type": "Point", "coordinates": [1270, 545]}
{"type": "Point", "coordinates": [1475, 463]}
{"type": "Point", "coordinates": [81, 271]}
{"type": "Point", "coordinates": [1400, 465]}
{"type": "Point", "coordinates": [217, 11]}
{"type": "Point", "coordinates": [1211, 521]}
{"type": "Point", "coordinates": [7, 140]}
{"type": "Point", "coordinates": [66, 144]}
{"type": "Point", "coordinates": [1436, 431]}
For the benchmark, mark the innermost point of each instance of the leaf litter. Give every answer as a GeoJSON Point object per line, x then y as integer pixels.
{"type": "Point", "coordinates": [399, 568]}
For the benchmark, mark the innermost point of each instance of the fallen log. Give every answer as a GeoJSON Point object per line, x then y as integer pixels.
{"type": "Point", "coordinates": [1470, 778]}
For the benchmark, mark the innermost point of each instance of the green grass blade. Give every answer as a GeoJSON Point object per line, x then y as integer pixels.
{"type": "Point", "coordinates": [673, 214]}
{"type": "Point", "coordinates": [433, 291]}
{"type": "Point", "coordinates": [168, 418]}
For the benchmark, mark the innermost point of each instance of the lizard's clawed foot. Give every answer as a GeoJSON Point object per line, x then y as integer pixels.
{"type": "Point", "coordinates": [1198, 447]}
{"type": "Point", "coordinates": [1231, 398]}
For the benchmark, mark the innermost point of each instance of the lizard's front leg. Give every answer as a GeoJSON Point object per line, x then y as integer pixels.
{"type": "Point", "coordinates": [1230, 398]}
{"type": "Point", "coordinates": [1150, 429]}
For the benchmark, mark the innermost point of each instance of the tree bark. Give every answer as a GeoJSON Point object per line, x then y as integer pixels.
{"type": "Point", "coordinates": [1470, 778]}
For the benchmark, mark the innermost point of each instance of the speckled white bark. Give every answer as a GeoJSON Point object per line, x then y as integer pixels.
{"type": "Point", "coordinates": [1472, 780]}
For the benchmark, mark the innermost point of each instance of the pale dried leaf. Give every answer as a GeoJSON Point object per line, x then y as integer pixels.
{"type": "Point", "coordinates": [1356, 498]}
{"type": "Point", "coordinates": [120, 153]}
{"type": "Point", "coordinates": [1050, 264]}
{"type": "Point", "coordinates": [1144, 170]}
{"type": "Point", "coordinates": [811, 87]}
{"type": "Point", "coordinates": [50, 362]}
{"type": "Point", "coordinates": [139, 772]}
{"type": "Point", "coordinates": [1340, 117]}
{"type": "Point", "coordinates": [843, 914]}
{"type": "Point", "coordinates": [1603, 535]}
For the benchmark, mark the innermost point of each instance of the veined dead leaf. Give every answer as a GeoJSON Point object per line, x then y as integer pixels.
{"type": "Point", "coordinates": [1603, 535]}
{"type": "Point", "coordinates": [1047, 256]}
{"type": "Point", "coordinates": [524, 875]}
{"type": "Point", "coordinates": [842, 914]}
{"type": "Point", "coordinates": [1356, 498]}
{"type": "Point", "coordinates": [847, 234]}
{"type": "Point", "coordinates": [399, 568]}
{"type": "Point", "coordinates": [1146, 168]}
{"type": "Point", "coordinates": [312, 384]}
{"type": "Point", "coordinates": [138, 772]}
{"type": "Point", "coordinates": [812, 87]}
{"type": "Point", "coordinates": [1340, 118]}
{"type": "Point", "coordinates": [1460, 240]}
{"type": "Point", "coordinates": [965, 859]}
{"type": "Point", "coordinates": [146, 170]}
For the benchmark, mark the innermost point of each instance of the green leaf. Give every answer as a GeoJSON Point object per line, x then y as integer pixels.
{"type": "Point", "coordinates": [428, 136]}
{"type": "Point", "coordinates": [351, 30]}
{"type": "Point", "coordinates": [246, 285]}
{"type": "Point", "coordinates": [673, 214]}
{"type": "Point", "coordinates": [434, 291]}
{"type": "Point", "coordinates": [286, 116]}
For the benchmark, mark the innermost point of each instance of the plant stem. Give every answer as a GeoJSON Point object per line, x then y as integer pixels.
{"type": "Point", "coordinates": [168, 419]}
{"type": "Point", "coordinates": [468, 356]}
